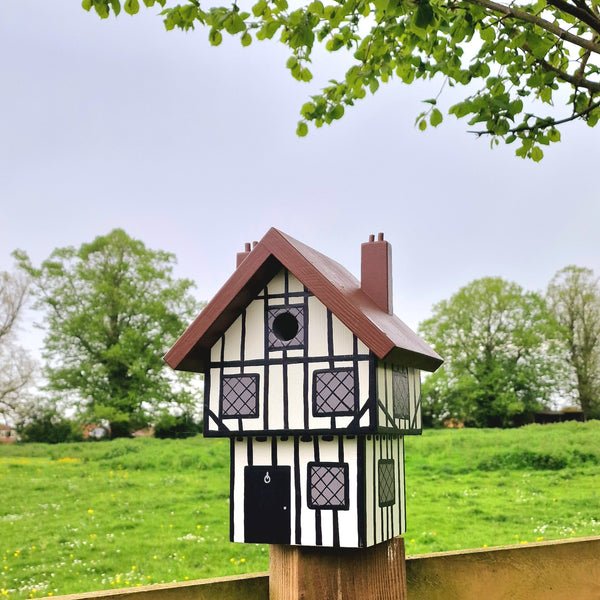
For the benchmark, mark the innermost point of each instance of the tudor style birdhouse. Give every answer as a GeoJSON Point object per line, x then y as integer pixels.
{"type": "Point", "coordinates": [315, 382]}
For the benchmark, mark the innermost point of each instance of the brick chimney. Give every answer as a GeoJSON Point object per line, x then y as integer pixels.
{"type": "Point", "coordinates": [241, 256]}
{"type": "Point", "coordinates": [376, 271]}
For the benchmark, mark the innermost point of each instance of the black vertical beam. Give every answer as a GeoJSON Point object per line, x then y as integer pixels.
{"type": "Point", "coordinates": [373, 392]}
{"type": "Point", "coordinates": [330, 339]}
{"type": "Point", "coordinates": [298, 490]}
{"type": "Point", "coordinates": [250, 451]}
{"type": "Point", "coordinates": [375, 501]}
{"type": "Point", "coordinates": [361, 491]}
{"type": "Point", "coordinates": [243, 342]}
{"type": "Point", "coordinates": [390, 454]}
{"type": "Point", "coordinates": [381, 511]}
{"type": "Point", "coordinates": [286, 400]}
{"type": "Point", "coordinates": [318, 525]}
{"type": "Point", "coordinates": [399, 484]}
{"type": "Point", "coordinates": [266, 359]}
{"type": "Point", "coordinates": [404, 485]}
{"type": "Point", "coordinates": [306, 399]}
{"type": "Point", "coordinates": [231, 488]}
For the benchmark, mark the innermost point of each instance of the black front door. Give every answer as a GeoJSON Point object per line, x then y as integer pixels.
{"type": "Point", "coordinates": [267, 505]}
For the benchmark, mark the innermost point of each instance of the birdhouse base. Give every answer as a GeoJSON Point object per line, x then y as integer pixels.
{"type": "Point", "coordinates": [312, 573]}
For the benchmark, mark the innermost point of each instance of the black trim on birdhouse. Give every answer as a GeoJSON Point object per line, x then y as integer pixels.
{"type": "Point", "coordinates": [335, 392]}
{"type": "Point", "coordinates": [328, 486]}
{"type": "Point", "coordinates": [239, 396]}
{"type": "Point", "coordinates": [387, 482]}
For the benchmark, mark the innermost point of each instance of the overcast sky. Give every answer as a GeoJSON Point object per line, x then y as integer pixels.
{"type": "Point", "coordinates": [192, 149]}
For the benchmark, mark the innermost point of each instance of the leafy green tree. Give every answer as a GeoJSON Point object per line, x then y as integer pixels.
{"type": "Point", "coordinates": [499, 365]}
{"type": "Point", "coordinates": [530, 67]}
{"type": "Point", "coordinates": [112, 309]}
{"type": "Point", "coordinates": [574, 298]}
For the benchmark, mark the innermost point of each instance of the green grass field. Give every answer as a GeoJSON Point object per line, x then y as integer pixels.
{"type": "Point", "coordinates": [90, 516]}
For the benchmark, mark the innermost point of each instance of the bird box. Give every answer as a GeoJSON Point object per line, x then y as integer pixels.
{"type": "Point", "coordinates": [315, 382]}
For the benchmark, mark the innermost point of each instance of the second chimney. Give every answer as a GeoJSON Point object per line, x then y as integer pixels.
{"type": "Point", "coordinates": [376, 271]}
{"type": "Point", "coordinates": [241, 256]}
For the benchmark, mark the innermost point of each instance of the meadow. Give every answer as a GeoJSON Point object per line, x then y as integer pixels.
{"type": "Point", "coordinates": [101, 515]}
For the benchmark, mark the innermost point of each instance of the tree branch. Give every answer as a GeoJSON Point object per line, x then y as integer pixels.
{"type": "Point", "coordinates": [583, 14]}
{"type": "Point", "coordinates": [576, 80]}
{"type": "Point", "coordinates": [535, 20]}
{"type": "Point", "coordinates": [544, 123]}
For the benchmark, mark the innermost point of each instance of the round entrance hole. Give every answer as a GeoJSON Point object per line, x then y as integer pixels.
{"type": "Point", "coordinates": [285, 326]}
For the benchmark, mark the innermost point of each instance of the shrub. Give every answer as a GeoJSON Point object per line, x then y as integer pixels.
{"type": "Point", "coordinates": [182, 426]}
{"type": "Point", "coordinates": [49, 427]}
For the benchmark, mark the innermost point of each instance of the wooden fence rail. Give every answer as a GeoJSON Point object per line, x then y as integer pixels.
{"type": "Point", "coordinates": [559, 570]}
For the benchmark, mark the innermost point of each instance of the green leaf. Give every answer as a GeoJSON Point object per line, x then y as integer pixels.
{"type": "Point", "coordinates": [116, 6]}
{"type": "Point", "coordinates": [515, 107]}
{"type": "Point", "coordinates": [422, 125]}
{"type": "Point", "coordinates": [436, 117]}
{"type": "Point", "coordinates": [546, 95]}
{"type": "Point", "coordinates": [305, 75]}
{"type": "Point", "coordinates": [259, 8]}
{"type": "Point", "coordinates": [86, 5]}
{"type": "Point", "coordinates": [424, 16]}
{"type": "Point", "coordinates": [381, 5]}
{"type": "Point", "coordinates": [302, 129]}
{"type": "Point", "coordinates": [246, 39]}
{"type": "Point", "coordinates": [271, 28]}
{"type": "Point", "coordinates": [215, 37]}
{"type": "Point", "coordinates": [308, 110]}
{"type": "Point", "coordinates": [131, 7]}
{"type": "Point", "coordinates": [487, 33]}
{"type": "Point", "coordinates": [337, 112]}
{"type": "Point", "coordinates": [536, 154]}
{"type": "Point", "coordinates": [592, 118]}
{"type": "Point", "coordinates": [334, 44]}
{"type": "Point", "coordinates": [101, 8]}
{"type": "Point", "coordinates": [316, 8]}
{"type": "Point", "coordinates": [234, 23]}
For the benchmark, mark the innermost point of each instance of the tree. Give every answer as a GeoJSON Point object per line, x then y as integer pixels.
{"type": "Point", "coordinates": [16, 367]}
{"type": "Point", "coordinates": [112, 309]}
{"type": "Point", "coordinates": [530, 67]}
{"type": "Point", "coordinates": [499, 365]}
{"type": "Point", "coordinates": [574, 298]}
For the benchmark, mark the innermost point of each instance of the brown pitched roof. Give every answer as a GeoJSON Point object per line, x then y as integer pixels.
{"type": "Point", "coordinates": [331, 283]}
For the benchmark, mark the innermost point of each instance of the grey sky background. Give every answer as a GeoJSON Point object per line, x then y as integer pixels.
{"type": "Point", "coordinates": [192, 149]}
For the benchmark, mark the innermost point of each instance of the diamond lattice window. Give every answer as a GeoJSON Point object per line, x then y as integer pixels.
{"type": "Point", "coordinates": [285, 327]}
{"type": "Point", "coordinates": [328, 485]}
{"type": "Point", "coordinates": [400, 393]}
{"type": "Point", "coordinates": [239, 396]}
{"type": "Point", "coordinates": [387, 482]}
{"type": "Point", "coordinates": [334, 393]}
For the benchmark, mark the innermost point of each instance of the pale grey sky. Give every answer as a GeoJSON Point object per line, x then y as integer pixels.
{"type": "Point", "coordinates": [192, 149]}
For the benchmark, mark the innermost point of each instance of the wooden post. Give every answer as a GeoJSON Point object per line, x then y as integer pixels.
{"type": "Point", "coordinates": [309, 573]}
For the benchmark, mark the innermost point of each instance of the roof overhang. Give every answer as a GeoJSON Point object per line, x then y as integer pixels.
{"type": "Point", "coordinates": [331, 283]}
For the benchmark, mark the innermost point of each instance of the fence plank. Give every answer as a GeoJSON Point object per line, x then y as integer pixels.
{"type": "Point", "coordinates": [556, 570]}
{"type": "Point", "coordinates": [238, 587]}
